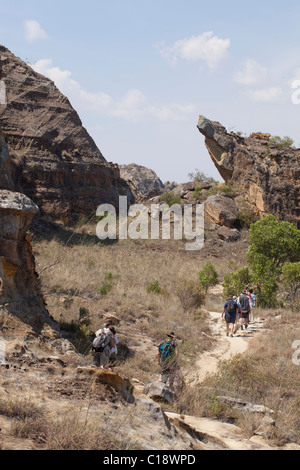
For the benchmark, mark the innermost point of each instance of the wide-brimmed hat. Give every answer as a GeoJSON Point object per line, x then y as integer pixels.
{"type": "Point", "coordinates": [171, 335]}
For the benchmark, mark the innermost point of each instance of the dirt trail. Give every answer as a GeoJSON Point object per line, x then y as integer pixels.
{"type": "Point", "coordinates": [226, 347]}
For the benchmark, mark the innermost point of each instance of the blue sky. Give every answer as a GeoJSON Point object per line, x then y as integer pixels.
{"type": "Point", "coordinates": [140, 73]}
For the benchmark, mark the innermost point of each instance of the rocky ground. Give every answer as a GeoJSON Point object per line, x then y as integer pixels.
{"type": "Point", "coordinates": [60, 385]}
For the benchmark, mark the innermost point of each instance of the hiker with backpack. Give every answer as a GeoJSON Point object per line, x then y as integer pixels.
{"type": "Point", "coordinates": [167, 359]}
{"type": "Point", "coordinates": [230, 311]}
{"type": "Point", "coordinates": [102, 345]}
{"type": "Point", "coordinates": [253, 301]}
{"type": "Point", "coordinates": [244, 302]}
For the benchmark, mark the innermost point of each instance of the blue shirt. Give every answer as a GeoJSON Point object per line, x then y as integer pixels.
{"type": "Point", "coordinates": [235, 306]}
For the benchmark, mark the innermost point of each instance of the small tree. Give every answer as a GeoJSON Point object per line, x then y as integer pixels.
{"type": "Point", "coordinates": [208, 277]}
{"type": "Point", "coordinates": [235, 282]}
{"type": "Point", "coordinates": [291, 279]}
{"type": "Point", "coordinates": [272, 244]}
{"type": "Point", "coordinates": [199, 176]}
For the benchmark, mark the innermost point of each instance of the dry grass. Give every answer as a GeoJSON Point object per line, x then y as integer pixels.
{"type": "Point", "coordinates": [75, 432]}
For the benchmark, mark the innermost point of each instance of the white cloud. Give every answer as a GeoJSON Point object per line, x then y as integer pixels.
{"type": "Point", "coordinates": [252, 73]}
{"type": "Point", "coordinates": [33, 31]}
{"type": "Point", "coordinates": [205, 47]}
{"type": "Point", "coordinates": [133, 106]}
{"type": "Point", "coordinates": [267, 95]}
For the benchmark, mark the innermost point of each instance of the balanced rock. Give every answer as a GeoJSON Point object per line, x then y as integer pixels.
{"type": "Point", "coordinates": [267, 174]}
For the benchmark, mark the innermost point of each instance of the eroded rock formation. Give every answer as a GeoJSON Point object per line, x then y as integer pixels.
{"type": "Point", "coordinates": [57, 163]}
{"type": "Point", "coordinates": [19, 287]}
{"type": "Point", "coordinates": [267, 175]}
{"type": "Point", "coordinates": [144, 179]}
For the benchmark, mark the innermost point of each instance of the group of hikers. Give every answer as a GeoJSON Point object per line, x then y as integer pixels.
{"type": "Point", "coordinates": [105, 346]}
{"type": "Point", "coordinates": [238, 311]}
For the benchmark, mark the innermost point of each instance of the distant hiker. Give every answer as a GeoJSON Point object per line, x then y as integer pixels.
{"type": "Point", "coordinates": [167, 359]}
{"type": "Point", "coordinates": [253, 300]}
{"type": "Point", "coordinates": [102, 345]}
{"type": "Point", "coordinates": [114, 351]}
{"type": "Point", "coordinates": [244, 302]}
{"type": "Point", "coordinates": [230, 311]}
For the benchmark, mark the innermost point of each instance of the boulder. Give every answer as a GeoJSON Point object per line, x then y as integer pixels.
{"type": "Point", "coordinates": [159, 391]}
{"type": "Point", "coordinates": [228, 235]}
{"type": "Point", "coordinates": [220, 210]}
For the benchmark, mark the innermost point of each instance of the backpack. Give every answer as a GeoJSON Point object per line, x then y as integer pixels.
{"type": "Point", "coordinates": [101, 341]}
{"type": "Point", "coordinates": [245, 303]}
{"type": "Point", "coordinates": [231, 307]}
{"type": "Point", "coordinates": [166, 350]}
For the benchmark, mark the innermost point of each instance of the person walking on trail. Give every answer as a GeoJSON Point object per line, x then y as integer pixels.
{"type": "Point", "coordinates": [235, 298]}
{"type": "Point", "coordinates": [245, 309]}
{"type": "Point", "coordinates": [167, 359]}
{"type": "Point", "coordinates": [230, 311]}
{"type": "Point", "coordinates": [253, 301]}
{"type": "Point", "coordinates": [114, 350]}
{"type": "Point", "coordinates": [102, 345]}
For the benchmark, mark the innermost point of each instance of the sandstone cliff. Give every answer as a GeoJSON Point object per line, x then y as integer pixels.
{"type": "Point", "coordinates": [56, 162]}
{"type": "Point", "coordinates": [267, 175]}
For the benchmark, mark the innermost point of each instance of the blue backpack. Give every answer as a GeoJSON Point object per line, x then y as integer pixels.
{"type": "Point", "coordinates": [166, 350]}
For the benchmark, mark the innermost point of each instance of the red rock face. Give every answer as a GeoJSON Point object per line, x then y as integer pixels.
{"type": "Point", "coordinates": [268, 175]}
{"type": "Point", "coordinates": [57, 163]}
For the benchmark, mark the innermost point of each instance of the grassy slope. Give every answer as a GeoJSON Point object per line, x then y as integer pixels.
{"type": "Point", "coordinates": [265, 375]}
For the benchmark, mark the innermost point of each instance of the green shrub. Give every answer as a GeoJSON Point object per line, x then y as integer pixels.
{"type": "Point", "coordinates": [201, 177]}
{"type": "Point", "coordinates": [154, 287]}
{"type": "Point", "coordinates": [235, 282]}
{"type": "Point", "coordinates": [282, 141]}
{"type": "Point", "coordinates": [208, 277]}
{"type": "Point", "coordinates": [105, 288]}
{"type": "Point", "coordinates": [170, 199]}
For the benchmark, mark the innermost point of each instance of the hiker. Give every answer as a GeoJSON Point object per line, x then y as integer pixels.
{"type": "Point", "coordinates": [235, 298]}
{"type": "Point", "coordinates": [167, 359]}
{"type": "Point", "coordinates": [114, 351]}
{"type": "Point", "coordinates": [102, 345]}
{"type": "Point", "coordinates": [230, 311]}
{"type": "Point", "coordinates": [244, 302]}
{"type": "Point", "coordinates": [253, 301]}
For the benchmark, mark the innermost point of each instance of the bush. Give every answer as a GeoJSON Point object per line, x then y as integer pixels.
{"type": "Point", "coordinates": [235, 282]}
{"type": "Point", "coordinates": [105, 288]}
{"type": "Point", "coordinates": [170, 199]}
{"type": "Point", "coordinates": [154, 287]}
{"type": "Point", "coordinates": [191, 295]}
{"type": "Point", "coordinates": [208, 277]}
{"type": "Point", "coordinates": [199, 176]}
{"type": "Point", "coordinates": [282, 141]}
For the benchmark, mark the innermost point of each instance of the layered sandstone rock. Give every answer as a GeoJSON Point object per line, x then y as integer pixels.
{"type": "Point", "coordinates": [267, 175]}
{"type": "Point", "coordinates": [57, 163]}
{"type": "Point", "coordinates": [20, 297]}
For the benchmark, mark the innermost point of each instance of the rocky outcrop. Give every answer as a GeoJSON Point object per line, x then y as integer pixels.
{"type": "Point", "coordinates": [57, 163]}
{"type": "Point", "coordinates": [6, 180]}
{"type": "Point", "coordinates": [221, 210]}
{"type": "Point", "coordinates": [267, 174]}
{"type": "Point", "coordinates": [143, 179]}
{"type": "Point", "coordinates": [20, 296]}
